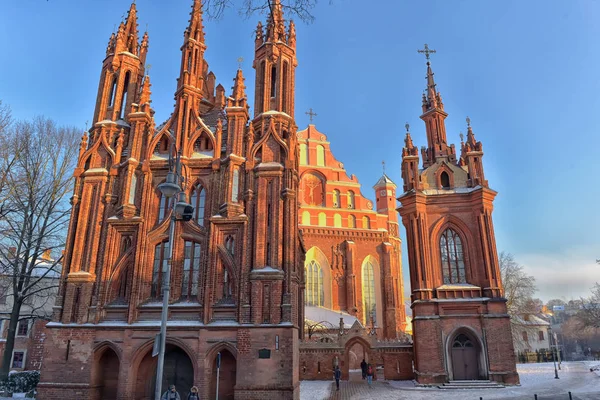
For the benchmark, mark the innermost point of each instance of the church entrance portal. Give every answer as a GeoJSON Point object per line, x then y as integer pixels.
{"type": "Point", "coordinates": [227, 375]}
{"type": "Point", "coordinates": [464, 353]}
{"type": "Point", "coordinates": [178, 371]}
{"type": "Point", "coordinates": [107, 374]}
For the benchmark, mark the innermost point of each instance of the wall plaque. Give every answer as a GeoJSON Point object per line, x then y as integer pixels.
{"type": "Point", "coordinates": [264, 353]}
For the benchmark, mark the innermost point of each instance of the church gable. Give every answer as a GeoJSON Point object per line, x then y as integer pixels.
{"type": "Point", "coordinates": [433, 177]}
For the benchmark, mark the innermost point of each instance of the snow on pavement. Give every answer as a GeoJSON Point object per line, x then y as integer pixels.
{"type": "Point", "coordinates": [574, 377]}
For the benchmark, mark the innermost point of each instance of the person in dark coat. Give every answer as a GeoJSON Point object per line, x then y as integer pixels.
{"type": "Point", "coordinates": [171, 394]}
{"type": "Point", "coordinates": [370, 373]}
{"type": "Point", "coordinates": [193, 394]}
{"type": "Point", "coordinates": [337, 374]}
{"type": "Point", "coordinates": [363, 368]}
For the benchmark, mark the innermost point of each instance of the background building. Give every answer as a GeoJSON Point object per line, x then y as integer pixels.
{"type": "Point", "coordinates": [353, 258]}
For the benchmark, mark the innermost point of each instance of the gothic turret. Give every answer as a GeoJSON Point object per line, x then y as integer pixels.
{"type": "Point", "coordinates": [471, 154]}
{"type": "Point", "coordinates": [410, 164]}
{"type": "Point", "coordinates": [434, 117]}
{"type": "Point", "coordinates": [275, 63]}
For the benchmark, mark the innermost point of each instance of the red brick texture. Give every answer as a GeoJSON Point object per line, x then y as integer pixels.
{"type": "Point", "coordinates": [450, 194]}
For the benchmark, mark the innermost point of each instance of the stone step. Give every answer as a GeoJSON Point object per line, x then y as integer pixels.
{"type": "Point", "coordinates": [471, 384]}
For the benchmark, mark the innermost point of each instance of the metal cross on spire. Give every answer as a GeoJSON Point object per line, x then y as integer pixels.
{"type": "Point", "coordinates": [311, 114]}
{"type": "Point", "coordinates": [148, 68]}
{"type": "Point", "coordinates": [240, 60]}
{"type": "Point", "coordinates": [383, 166]}
{"type": "Point", "coordinates": [407, 126]}
{"type": "Point", "coordinates": [427, 51]}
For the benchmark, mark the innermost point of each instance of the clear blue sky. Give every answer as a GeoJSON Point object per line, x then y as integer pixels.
{"type": "Point", "coordinates": [526, 72]}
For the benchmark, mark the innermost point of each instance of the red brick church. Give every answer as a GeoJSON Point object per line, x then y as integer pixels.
{"type": "Point", "coordinates": [277, 225]}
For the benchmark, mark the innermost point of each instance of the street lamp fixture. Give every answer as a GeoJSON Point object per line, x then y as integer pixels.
{"type": "Point", "coordinates": [169, 189]}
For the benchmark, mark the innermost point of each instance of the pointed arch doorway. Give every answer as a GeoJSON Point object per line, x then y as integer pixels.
{"type": "Point", "coordinates": [465, 357]}
{"type": "Point", "coordinates": [178, 371]}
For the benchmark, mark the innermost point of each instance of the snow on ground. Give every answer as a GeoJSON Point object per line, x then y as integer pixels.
{"type": "Point", "coordinates": [574, 377]}
{"type": "Point", "coordinates": [314, 390]}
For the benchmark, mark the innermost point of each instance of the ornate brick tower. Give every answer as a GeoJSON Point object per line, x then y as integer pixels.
{"type": "Point", "coordinates": [236, 268]}
{"type": "Point", "coordinates": [460, 323]}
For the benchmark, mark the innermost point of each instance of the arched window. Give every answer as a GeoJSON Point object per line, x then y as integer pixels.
{"type": "Point", "coordinates": [191, 269]}
{"type": "Point", "coordinates": [132, 188]}
{"type": "Point", "coordinates": [235, 189]}
{"type": "Point", "coordinates": [453, 262]}
{"type": "Point", "coordinates": [445, 180]}
{"type": "Point", "coordinates": [351, 221]}
{"type": "Point", "coordinates": [336, 198]}
{"type": "Point", "coordinates": [322, 219]}
{"type": "Point", "coordinates": [320, 156]}
{"type": "Point", "coordinates": [273, 81]}
{"type": "Point", "coordinates": [303, 154]}
{"type": "Point", "coordinates": [337, 221]}
{"type": "Point", "coordinates": [122, 113]}
{"type": "Point", "coordinates": [230, 244]}
{"type": "Point", "coordinates": [305, 218]}
{"type": "Point", "coordinates": [198, 199]}
{"type": "Point", "coordinates": [366, 222]}
{"type": "Point", "coordinates": [350, 196]}
{"type": "Point", "coordinates": [159, 268]}
{"type": "Point", "coordinates": [315, 293]}
{"type": "Point", "coordinates": [113, 92]}
{"type": "Point", "coordinates": [164, 207]}
{"type": "Point", "coordinates": [368, 292]}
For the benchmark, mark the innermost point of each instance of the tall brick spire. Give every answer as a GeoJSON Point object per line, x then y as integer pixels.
{"type": "Point", "coordinates": [434, 117]}
{"type": "Point", "coordinates": [127, 36]}
{"type": "Point", "coordinates": [192, 51]}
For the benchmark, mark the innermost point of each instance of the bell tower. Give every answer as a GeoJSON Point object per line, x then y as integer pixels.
{"type": "Point", "coordinates": [456, 289]}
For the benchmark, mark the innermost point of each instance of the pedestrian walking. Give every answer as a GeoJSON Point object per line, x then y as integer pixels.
{"type": "Point", "coordinates": [337, 374]}
{"type": "Point", "coordinates": [370, 375]}
{"type": "Point", "coordinates": [363, 368]}
{"type": "Point", "coordinates": [193, 394]}
{"type": "Point", "coordinates": [171, 394]}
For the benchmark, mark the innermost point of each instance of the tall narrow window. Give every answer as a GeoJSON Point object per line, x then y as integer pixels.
{"type": "Point", "coordinates": [227, 285]}
{"type": "Point", "coordinates": [303, 154]}
{"type": "Point", "coordinates": [336, 198]}
{"type": "Point", "coordinates": [123, 284]}
{"type": "Point", "coordinates": [191, 270]}
{"type": "Point", "coordinates": [273, 81]}
{"type": "Point", "coordinates": [315, 292]}
{"type": "Point", "coordinates": [132, 188]}
{"type": "Point", "coordinates": [159, 268]}
{"type": "Point", "coordinates": [305, 218]}
{"type": "Point", "coordinates": [351, 221]}
{"type": "Point", "coordinates": [322, 219]}
{"type": "Point", "coordinates": [320, 156]}
{"type": "Point", "coordinates": [235, 187]}
{"type": "Point", "coordinates": [230, 245]}
{"type": "Point", "coordinates": [198, 200]}
{"type": "Point", "coordinates": [337, 221]}
{"type": "Point", "coordinates": [445, 180]}
{"type": "Point", "coordinates": [453, 263]}
{"type": "Point", "coordinates": [263, 83]}
{"type": "Point", "coordinates": [164, 207]}
{"type": "Point", "coordinates": [350, 197]}
{"type": "Point", "coordinates": [366, 223]}
{"type": "Point", "coordinates": [113, 92]}
{"type": "Point", "coordinates": [124, 96]}
{"type": "Point", "coordinates": [284, 94]}
{"type": "Point", "coordinates": [368, 292]}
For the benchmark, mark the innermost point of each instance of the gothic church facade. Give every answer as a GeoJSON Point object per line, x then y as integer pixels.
{"type": "Point", "coordinates": [237, 267]}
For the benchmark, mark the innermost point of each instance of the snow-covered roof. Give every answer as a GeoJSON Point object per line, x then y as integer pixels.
{"type": "Point", "coordinates": [321, 314]}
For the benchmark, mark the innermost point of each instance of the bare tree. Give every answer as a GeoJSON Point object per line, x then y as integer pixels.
{"type": "Point", "coordinates": [589, 312]}
{"type": "Point", "coordinates": [300, 8]}
{"type": "Point", "coordinates": [38, 183]}
{"type": "Point", "coordinates": [519, 288]}
{"type": "Point", "coordinates": [321, 329]}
